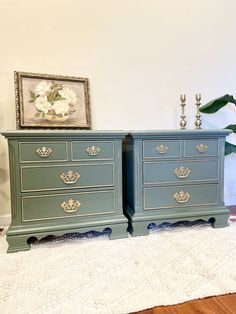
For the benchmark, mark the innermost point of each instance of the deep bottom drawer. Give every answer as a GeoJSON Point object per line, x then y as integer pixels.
{"type": "Point", "coordinates": [189, 195]}
{"type": "Point", "coordinates": [56, 206]}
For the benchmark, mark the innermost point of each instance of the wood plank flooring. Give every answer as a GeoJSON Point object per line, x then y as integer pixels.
{"type": "Point", "coordinates": [224, 304]}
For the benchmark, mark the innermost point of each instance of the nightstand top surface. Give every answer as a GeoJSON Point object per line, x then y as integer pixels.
{"type": "Point", "coordinates": [174, 133]}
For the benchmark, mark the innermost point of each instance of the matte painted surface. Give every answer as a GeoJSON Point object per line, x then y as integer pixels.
{"type": "Point", "coordinates": [103, 150]}
{"type": "Point", "coordinates": [49, 177]}
{"type": "Point", "coordinates": [42, 204]}
{"type": "Point", "coordinates": [165, 171]}
{"type": "Point", "coordinates": [191, 148]}
{"type": "Point", "coordinates": [163, 197]}
{"type": "Point", "coordinates": [50, 206]}
{"type": "Point", "coordinates": [155, 194]}
{"type": "Point", "coordinates": [28, 151]}
{"type": "Point", "coordinates": [150, 149]}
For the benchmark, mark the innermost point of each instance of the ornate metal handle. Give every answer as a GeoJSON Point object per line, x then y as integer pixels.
{"type": "Point", "coordinates": [161, 149]}
{"type": "Point", "coordinates": [181, 197]}
{"type": "Point", "coordinates": [44, 151]}
{"type": "Point", "coordinates": [70, 177]}
{"type": "Point", "coordinates": [93, 151]}
{"type": "Point", "coordinates": [201, 148]}
{"type": "Point", "coordinates": [71, 206]}
{"type": "Point", "coordinates": [182, 172]}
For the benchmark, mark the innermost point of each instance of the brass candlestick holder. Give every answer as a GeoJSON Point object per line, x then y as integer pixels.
{"type": "Point", "coordinates": [183, 122]}
{"type": "Point", "coordinates": [198, 121]}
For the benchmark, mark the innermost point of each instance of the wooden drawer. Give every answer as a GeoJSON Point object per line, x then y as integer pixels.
{"type": "Point", "coordinates": [161, 149]}
{"type": "Point", "coordinates": [43, 151]}
{"type": "Point", "coordinates": [201, 148]}
{"type": "Point", "coordinates": [71, 205]}
{"type": "Point", "coordinates": [179, 196]}
{"type": "Point", "coordinates": [179, 171]}
{"type": "Point", "coordinates": [54, 177]}
{"type": "Point", "coordinates": [92, 150]}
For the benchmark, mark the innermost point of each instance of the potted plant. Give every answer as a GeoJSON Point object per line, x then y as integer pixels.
{"type": "Point", "coordinates": [215, 105]}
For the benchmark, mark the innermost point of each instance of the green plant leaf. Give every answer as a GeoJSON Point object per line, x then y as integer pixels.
{"type": "Point", "coordinates": [32, 95]}
{"type": "Point", "coordinates": [38, 114]}
{"type": "Point", "coordinates": [58, 97]}
{"type": "Point", "coordinates": [217, 104]}
{"type": "Point", "coordinates": [229, 148]}
{"type": "Point", "coordinates": [231, 127]}
{"type": "Point", "coordinates": [31, 101]}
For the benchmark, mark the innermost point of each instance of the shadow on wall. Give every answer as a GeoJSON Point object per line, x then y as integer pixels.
{"type": "Point", "coordinates": [7, 121]}
{"type": "Point", "coordinates": [4, 173]}
{"type": "Point", "coordinates": [3, 178]}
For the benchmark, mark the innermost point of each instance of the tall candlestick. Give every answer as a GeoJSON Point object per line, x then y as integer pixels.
{"type": "Point", "coordinates": [198, 121]}
{"type": "Point", "coordinates": [183, 122]}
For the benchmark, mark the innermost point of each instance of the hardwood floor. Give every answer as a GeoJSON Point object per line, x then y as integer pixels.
{"type": "Point", "coordinates": [224, 304]}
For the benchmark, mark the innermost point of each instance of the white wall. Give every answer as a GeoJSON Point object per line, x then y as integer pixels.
{"type": "Point", "coordinates": [139, 56]}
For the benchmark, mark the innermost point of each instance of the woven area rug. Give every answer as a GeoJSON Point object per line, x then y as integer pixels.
{"type": "Point", "coordinates": [79, 275]}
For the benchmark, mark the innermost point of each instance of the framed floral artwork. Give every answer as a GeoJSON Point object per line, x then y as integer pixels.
{"type": "Point", "coordinates": [51, 101]}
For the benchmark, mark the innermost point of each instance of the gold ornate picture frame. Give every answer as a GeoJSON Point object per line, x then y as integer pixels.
{"type": "Point", "coordinates": [51, 101]}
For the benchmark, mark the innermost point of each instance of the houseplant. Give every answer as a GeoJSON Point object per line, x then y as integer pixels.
{"type": "Point", "coordinates": [215, 105]}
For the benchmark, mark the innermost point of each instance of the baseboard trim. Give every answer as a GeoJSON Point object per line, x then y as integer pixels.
{"type": "Point", "coordinates": [5, 220]}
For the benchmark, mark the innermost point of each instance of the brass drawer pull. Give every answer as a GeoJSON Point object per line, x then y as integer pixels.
{"type": "Point", "coordinates": [162, 149]}
{"type": "Point", "coordinates": [71, 206]}
{"type": "Point", "coordinates": [201, 148]}
{"type": "Point", "coordinates": [70, 177]}
{"type": "Point", "coordinates": [93, 151]}
{"type": "Point", "coordinates": [44, 152]}
{"type": "Point", "coordinates": [182, 172]}
{"type": "Point", "coordinates": [181, 197]}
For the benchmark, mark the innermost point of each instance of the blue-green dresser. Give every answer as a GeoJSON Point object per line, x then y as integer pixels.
{"type": "Point", "coordinates": [174, 176]}
{"type": "Point", "coordinates": [63, 182]}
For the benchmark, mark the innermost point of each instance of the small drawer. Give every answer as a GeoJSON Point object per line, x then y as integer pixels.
{"type": "Point", "coordinates": [180, 196]}
{"type": "Point", "coordinates": [161, 149]}
{"type": "Point", "coordinates": [55, 177]}
{"type": "Point", "coordinates": [171, 172]}
{"type": "Point", "coordinates": [43, 151]}
{"type": "Point", "coordinates": [56, 206]}
{"type": "Point", "coordinates": [198, 148]}
{"type": "Point", "coordinates": [92, 150]}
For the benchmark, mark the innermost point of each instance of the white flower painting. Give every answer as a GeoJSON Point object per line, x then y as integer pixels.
{"type": "Point", "coordinates": [50, 101]}
{"type": "Point", "coordinates": [53, 101]}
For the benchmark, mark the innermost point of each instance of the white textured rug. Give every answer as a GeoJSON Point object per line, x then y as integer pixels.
{"type": "Point", "coordinates": [97, 275]}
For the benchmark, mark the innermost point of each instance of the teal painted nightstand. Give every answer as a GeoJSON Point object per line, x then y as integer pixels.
{"type": "Point", "coordinates": [64, 181]}
{"type": "Point", "coordinates": [174, 176]}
